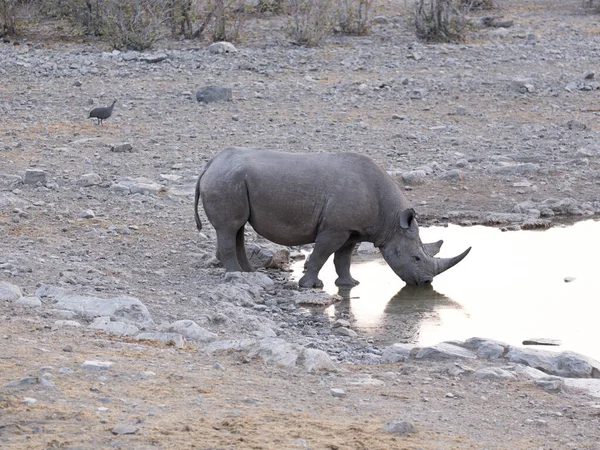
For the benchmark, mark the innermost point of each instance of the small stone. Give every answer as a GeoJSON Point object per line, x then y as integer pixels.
{"type": "Point", "coordinates": [9, 291]}
{"type": "Point", "coordinates": [34, 176]}
{"type": "Point", "coordinates": [89, 179]}
{"type": "Point", "coordinates": [29, 302]}
{"type": "Point", "coordinates": [87, 214]}
{"type": "Point", "coordinates": [67, 324]}
{"type": "Point", "coordinates": [157, 57]}
{"type": "Point", "coordinates": [550, 384]}
{"type": "Point", "coordinates": [121, 148]}
{"type": "Point", "coordinates": [399, 427]}
{"type": "Point", "coordinates": [96, 365]}
{"type": "Point", "coordinates": [123, 428]}
{"type": "Point", "coordinates": [77, 83]}
{"type": "Point", "coordinates": [68, 348]}
{"type": "Point", "coordinates": [576, 125]}
{"type": "Point", "coordinates": [66, 371]}
{"type": "Point", "coordinates": [342, 331]}
{"type": "Point", "coordinates": [339, 393]}
{"type": "Point", "coordinates": [29, 400]}
{"type": "Point", "coordinates": [569, 279]}
{"type": "Point", "coordinates": [213, 94]}
{"type": "Point", "coordinates": [218, 48]}
{"type": "Point", "coordinates": [589, 75]}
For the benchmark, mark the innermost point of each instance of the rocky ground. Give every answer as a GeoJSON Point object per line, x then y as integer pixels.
{"type": "Point", "coordinates": [502, 129]}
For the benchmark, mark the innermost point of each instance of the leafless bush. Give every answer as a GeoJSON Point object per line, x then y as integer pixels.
{"type": "Point", "coordinates": [132, 24]}
{"type": "Point", "coordinates": [440, 20]}
{"type": "Point", "coordinates": [309, 21]}
{"type": "Point", "coordinates": [478, 4]}
{"type": "Point", "coordinates": [225, 19]}
{"type": "Point", "coordinates": [8, 17]}
{"type": "Point", "coordinates": [352, 16]}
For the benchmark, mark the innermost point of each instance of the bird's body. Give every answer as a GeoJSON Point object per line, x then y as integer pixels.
{"type": "Point", "coordinates": [102, 113]}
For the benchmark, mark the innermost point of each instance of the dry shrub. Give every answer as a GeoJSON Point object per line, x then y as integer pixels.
{"type": "Point", "coordinates": [8, 17]}
{"type": "Point", "coordinates": [440, 20]}
{"type": "Point", "coordinates": [478, 4]}
{"type": "Point", "coordinates": [225, 19]}
{"type": "Point", "coordinates": [310, 21]}
{"type": "Point", "coordinates": [352, 16]}
{"type": "Point", "coordinates": [132, 24]}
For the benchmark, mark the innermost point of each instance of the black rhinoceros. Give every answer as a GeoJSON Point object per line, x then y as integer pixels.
{"type": "Point", "coordinates": [335, 200]}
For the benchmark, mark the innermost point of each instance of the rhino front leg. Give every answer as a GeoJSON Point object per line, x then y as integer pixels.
{"type": "Point", "coordinates": [227, 250]}
{"type": "Point", "coordinates": [342, 259]}
{"type": "Point", "coordinates": [325, 244]}
{"type": "Point", "coordinates": [241, 251]}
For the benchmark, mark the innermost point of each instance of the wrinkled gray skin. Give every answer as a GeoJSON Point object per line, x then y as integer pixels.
{"type": "Point", "coordinates": [335, 200]}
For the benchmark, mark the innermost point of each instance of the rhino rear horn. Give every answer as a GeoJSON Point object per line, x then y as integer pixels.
{"type": "Point", "coordinates": [433, 248]}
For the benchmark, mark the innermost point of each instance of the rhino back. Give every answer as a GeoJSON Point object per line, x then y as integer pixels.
{"type": "Point", "coordinates": [293, 196]}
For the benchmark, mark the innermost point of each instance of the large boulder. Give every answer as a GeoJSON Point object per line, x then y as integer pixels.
{"type": "Point", "coordinates": [565, 364]}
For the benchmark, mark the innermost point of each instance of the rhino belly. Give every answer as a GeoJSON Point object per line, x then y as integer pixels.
{"type": "Point", "coordinates": [282, 226]}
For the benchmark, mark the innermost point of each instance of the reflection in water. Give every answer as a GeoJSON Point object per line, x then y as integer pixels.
{"type": "Point", "coordinates": [511, 287]}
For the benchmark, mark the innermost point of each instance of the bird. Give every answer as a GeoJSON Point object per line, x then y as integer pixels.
{"type": "Point", "coordinates": [102, 113]}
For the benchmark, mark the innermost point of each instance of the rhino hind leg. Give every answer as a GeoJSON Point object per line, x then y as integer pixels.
{"type": "Point", "coordinates": [227, 250]}
{"type": "Point", "coordinates": [342, 259]}
{"type": "Point", "coordinates": [326, 244]}
{"type": "Point", "coordinates": [240, 248]}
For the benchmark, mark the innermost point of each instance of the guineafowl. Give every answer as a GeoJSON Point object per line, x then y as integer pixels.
{"type": "Point", "coordinates": [102, 113]}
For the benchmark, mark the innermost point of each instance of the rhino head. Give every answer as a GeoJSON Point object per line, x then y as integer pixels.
{"type": "Point", "coordinates": [412, 260]}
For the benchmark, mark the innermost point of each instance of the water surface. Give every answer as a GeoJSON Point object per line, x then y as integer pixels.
{"type": "Point", "coordinates": [511, 287]}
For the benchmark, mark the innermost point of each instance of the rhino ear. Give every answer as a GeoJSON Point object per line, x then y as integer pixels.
{"type": "Point", "coordinates": [407, 217]}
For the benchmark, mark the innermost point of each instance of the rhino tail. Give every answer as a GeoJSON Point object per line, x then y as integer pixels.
{"type": "Point", "coordinates": [197, 197]}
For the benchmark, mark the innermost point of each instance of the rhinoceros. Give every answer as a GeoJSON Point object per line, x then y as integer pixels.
{"type": "Point", "coordinates": [334, 200]}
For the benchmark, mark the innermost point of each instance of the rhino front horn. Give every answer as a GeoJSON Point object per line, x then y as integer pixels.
{"type": "Point", "coordinates": [443, 264]}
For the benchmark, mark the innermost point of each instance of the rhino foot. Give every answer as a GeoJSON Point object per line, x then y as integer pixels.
{"type": "Point", "coordinates": [308, 282]}
{"type": "Point", "coordinates": [346, 282]}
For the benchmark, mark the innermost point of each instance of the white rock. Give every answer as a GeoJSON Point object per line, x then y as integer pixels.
{"type": "Point", "coordinates": [29, 302]}
{"type": "Point", "coordinates": [191, 331]}
{"type": "Point", "coordinates": [222, 47]}
{"type": "Point", "coordinates": [112, 327]}
{"type": "Point", "coordinates": [96, 365]}
{"type": "Point", "coordinates": [9, 291]}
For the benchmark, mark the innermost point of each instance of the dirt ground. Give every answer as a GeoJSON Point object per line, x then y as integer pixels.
{"type": "Point", "coordinates": [471, 131]}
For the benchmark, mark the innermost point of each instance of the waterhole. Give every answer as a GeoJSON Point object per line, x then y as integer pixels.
{"type": "Point", "coordinates": [513, 286]}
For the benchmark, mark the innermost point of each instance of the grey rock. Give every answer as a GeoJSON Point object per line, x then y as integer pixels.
{"type": "Point", "coordinates": [66, 371]}
{"type": "Point", "coordinates": [551, 384]}
{"type": "Point", "coordinates": [269, 256]}
{"type": "Point", "coordinates": [414, 177]}
{"type": "Point", "coordinates": [66, 324]}
{"type": "Point", "coordinates": [89, 179]}
{"type": "Point", "coordinates": [592, 386]}
{"type": "Point", "coordinates": [113, 327]}
{"type": "Point", "coordinates": [316, 298]}
{"type": "Point", "coordinates": [343, 331]}
{"type": "Point", "coordinates": [452, 175]}
{"type": "Point", "coordinates": [155, 58]}
{"type": "Point", "coordinates": [191, 331]}
{"type": "Point", "coordinates": [124, 147]}
{"type": "Point", "coordinates": [123, 428]}
{"type": "Point", "coordinates": [125, 309]}
{"type": "Point", "coordinates": [87, 214]}
{"type": "Point", "coordinates": [589, 75]}
{"type": "Point", "coordinates": [399, 427]}
{"type": "Point", "coordinates": [494, 374]}
{"type": "Point", "coordinates": [29, 302]}
{"type": "Point", "coordinates": [276, 351]}
{"type": "Point", "coordinates": [251, 278]}
{"type": "Point", "coordinates": [213, 94]}
{"type": "Point", "coordinates": [367, 248]}
{"type": "Point", "coordinates": [174, 339]}
{"type": "Point", "coordinates": [397, 353]}
{"type": "Point", "coordinates": [565, 364]}
{"type": "Point", "coordinates": [314, 360]}
{"type": "Point", "coordinates": [339, 393]}
{"type": "Point", "coordinates": [576, 125]}
{"type": "Point", "coordinates": [222, 47]}
{"type": "Point", "coordinates": [444, 351]}
{"type": "Point", "coordinates": [96, 365]}
{"type": "Point", "coordinates": [34, 176]}
{"type": "Point", "coordinates": [9, 292]}
{"type": "Point", "coordinates": [30, 381]}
